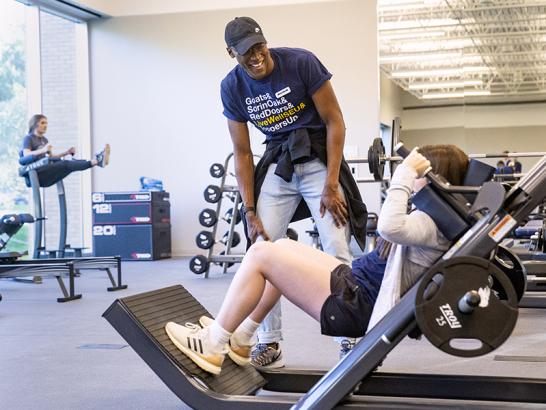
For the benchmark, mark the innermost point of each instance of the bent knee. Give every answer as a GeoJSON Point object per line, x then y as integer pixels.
{"type": "Point", "coordinates": [284, 242]}
{"type": "Point", "coordinates": [264, 252]}
{"type": "Point", "coordinates": [259, 249]}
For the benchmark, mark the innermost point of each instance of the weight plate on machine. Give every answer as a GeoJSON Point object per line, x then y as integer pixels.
{"type": "Point", "coordinates": [511, 265]}
{"type": "Point", "coordinates": [458, 313]}
{"type": "Point", "coordinates": [217, 170]}
{"type": "Point", "coordinates": [199, 264]}
{"type": "Point", "coordinates": [376, 161]}
{"type": "Point", "coordinates": [207, 217]}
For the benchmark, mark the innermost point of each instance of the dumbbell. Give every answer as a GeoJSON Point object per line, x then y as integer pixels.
{"type": "Point", "coordinates": [217, 170]}
{"type": "Point", "coordinates": [205, 240]}
{"type": "Point", "coordinates": [213, 193]}
{"type": "Point", "coordinates": [208, 217]}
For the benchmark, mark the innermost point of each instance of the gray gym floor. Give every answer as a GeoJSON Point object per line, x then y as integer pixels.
{"type": "Point", "coordinates": [66, 356]}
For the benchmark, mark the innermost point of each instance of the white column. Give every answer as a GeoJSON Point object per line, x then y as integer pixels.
{"type": "Point", "coordinates": [84, 127]}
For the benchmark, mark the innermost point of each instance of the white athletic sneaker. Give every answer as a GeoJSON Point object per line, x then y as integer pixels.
{"type": "Point", "coordinates": [192, 340]}
{"type": "Point", "coordinates": [239, 354]}
{"type": "Point", "coordinates": [205, 321]}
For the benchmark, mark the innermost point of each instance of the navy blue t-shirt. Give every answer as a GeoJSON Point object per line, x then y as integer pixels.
{"type": "Point", "coordinates": [368, 271]}
{"type": "Point", "coordinates": [33, 142]}
{"type": "Point", "coordinates": [281, 102]}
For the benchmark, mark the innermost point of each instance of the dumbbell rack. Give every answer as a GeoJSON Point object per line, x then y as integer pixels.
{"type": "Point", "coordinates": [226, 259]}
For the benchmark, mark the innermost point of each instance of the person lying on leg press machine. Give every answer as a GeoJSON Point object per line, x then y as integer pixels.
{"type": "Point", "coordinates": [340, 298]}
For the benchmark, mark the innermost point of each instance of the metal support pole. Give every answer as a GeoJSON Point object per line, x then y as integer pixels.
{"type": "Point", "coordinates": [63, 219]}
{"type": "Point", "coordinates": [38, 213]}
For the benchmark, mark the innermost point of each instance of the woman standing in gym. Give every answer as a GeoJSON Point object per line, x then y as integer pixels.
{"type": "Point", "coordinates": [36, 146]}
{"type": "Point", "coordinates": [340, 298]}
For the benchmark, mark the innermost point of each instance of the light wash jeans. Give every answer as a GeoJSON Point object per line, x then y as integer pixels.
{"type": "Point", "coordinates": [277, 203]}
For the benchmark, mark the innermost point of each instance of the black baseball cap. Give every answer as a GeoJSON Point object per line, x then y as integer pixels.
{"type": "Point", "coordinates": [242, 33]}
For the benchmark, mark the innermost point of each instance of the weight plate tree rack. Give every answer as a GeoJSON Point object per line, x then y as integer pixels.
{"type": "Point", "coordinates": [226, 258]}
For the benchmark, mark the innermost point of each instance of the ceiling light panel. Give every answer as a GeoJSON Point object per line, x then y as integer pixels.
{"type": "Point", "coordinates": [445, 45]}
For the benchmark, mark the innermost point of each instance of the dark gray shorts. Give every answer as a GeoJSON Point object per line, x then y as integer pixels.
{"type": "Point", "coordinates": [347, 311]}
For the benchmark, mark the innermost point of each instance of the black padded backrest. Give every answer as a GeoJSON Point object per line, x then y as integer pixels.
{"type": "Point", "coordinates": [477, 173]}
{"type": "Point", "coordinates": [449, 222]}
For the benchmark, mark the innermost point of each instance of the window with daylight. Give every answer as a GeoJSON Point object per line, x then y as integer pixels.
{"type": "Point", "coordinates": [14, 195]}
{"type": "Point", "coordinates": [44, 70]}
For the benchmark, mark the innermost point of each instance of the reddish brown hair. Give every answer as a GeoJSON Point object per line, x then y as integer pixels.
{"type": "Point", "coordinates": [447, 160]}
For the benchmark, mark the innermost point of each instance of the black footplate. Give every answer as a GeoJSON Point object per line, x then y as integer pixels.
{"type": "Point", "coordinates": [141, 319]}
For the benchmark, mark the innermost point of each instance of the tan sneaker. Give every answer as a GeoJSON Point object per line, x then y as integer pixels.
{"type": "Point", "coordinates": [239, 354]}
{"type": "Point", "coordinates": [103, 157]}
{"type": "Point", "coordinates": [192, 340]}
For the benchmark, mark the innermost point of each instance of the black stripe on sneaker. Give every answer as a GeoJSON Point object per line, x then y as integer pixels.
{"type": "Point", "coordinates": [200, 346]}
{"type": "Point", "coordinates": [189, 342]}
{"type": "Point", "coordinates": [194, 344]}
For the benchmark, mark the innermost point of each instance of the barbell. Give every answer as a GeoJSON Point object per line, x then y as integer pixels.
{"type": "Point", "coordinates": [377, 158]}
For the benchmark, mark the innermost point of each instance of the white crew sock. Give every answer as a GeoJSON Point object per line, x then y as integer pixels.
{"type": "Point", "coordinates": [218, 338]}
{"type": "Point", "coordinates": [245, 332]}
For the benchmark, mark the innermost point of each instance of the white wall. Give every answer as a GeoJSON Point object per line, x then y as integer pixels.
{"type": "Point", "coordinates": [470, 116]}
{"type": "Point", "coordinates": [480, 129]}
{"type": "Point", "coordinates": [390, 100]}
{"type": "Point", "coordinates": [155, 93]}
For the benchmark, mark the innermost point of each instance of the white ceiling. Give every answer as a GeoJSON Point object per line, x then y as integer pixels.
{"type": "Point", "coordinates": [118, 8]}
{"type": "Point", "coordinates": [472, 49]}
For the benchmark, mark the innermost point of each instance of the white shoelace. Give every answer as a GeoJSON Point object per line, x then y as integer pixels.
{"type": "Point", "coordinates": [193, 327]}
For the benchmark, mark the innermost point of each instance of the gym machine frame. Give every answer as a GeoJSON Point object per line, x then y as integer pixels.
{"type": "Point", "coordinates": [79, 262]}
{"type": "Point", "coordinates": [352, 382]}
{"type": "Point", "coordinates": [23, 268]}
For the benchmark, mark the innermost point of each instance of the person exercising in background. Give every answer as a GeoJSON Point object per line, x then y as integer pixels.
{"type": "Point", "coordinates": [513, 163]}
{"type": "Point", "coordinates": [36, 146]}
{"type": "Point", "coordinates": [286, 93]}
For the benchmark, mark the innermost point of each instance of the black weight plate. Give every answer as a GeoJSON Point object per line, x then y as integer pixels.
{"type": "Point", "coordinates": [292, 234]}
{"type": "Point", "coordinates": [229, 214]}
{"type": "Point", "coordinates": [235, 239]}
{"type": "Point", "coordinates": [212, 194]}
{"type": "Point", "coordinates": [207, 217]}
{"type": "Point", "coordinates": [511, 265]}
{"type": "Point", "coordinates": [437, 306]}
{"type": "Point", "coordinates": [199, 264]}
{"type": "Point", "coordinates": [204, 240]}
{"type": "Point", "coordinates": [217, 170]}
{"type": "Point", "coordinates": [376, 155]}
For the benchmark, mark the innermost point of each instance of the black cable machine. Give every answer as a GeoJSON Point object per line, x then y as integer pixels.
{"type": "Point", "coordinates": [463, 276]}
{"type": "Point", "coordinates": [103, 263]}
